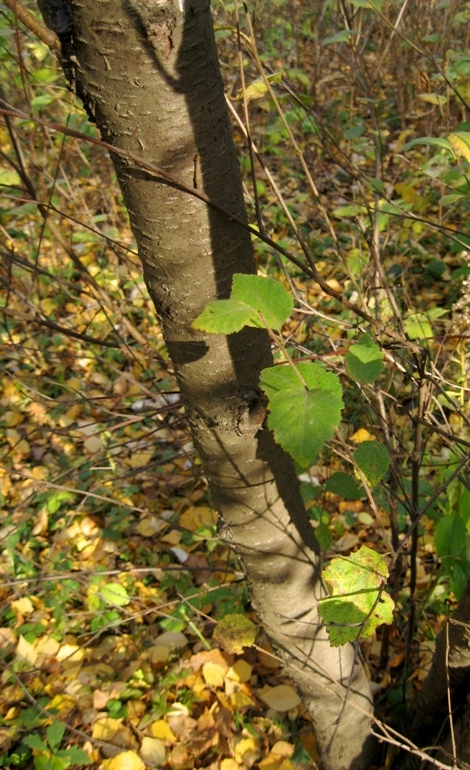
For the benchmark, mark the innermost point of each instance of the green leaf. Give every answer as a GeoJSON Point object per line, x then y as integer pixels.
{"type": "Point", "coordinates": [354, 132]}
{"type": "Point", "coordinates": [341, 37]}
{"type": "Point", "coordinates": [448, 200]}
{"type": "Point", "coordinates": [9, 178]}
{"type": "Point", "coordinates": [450, 536]}
{"type": "Point", "coordinates": [76, 756]}
{"type": "Point", "coordinates": [55, 733]}
{"type": "Point", "coordinates": [224, 316]}
{"type": "Point", "coordinates": [324, 537]}
{"type": "Point", "coordinates": [235, 632]}
{"type": "Point", "coordinates": [302, 417]}
{"type": "Point", "coordinates": [266, 296]}
{"type": "Point", "coordinates": [364, 360]}
{"type": "Point", "coordinates": [428, 140]}
{"type": "Point", "coordinates": [418, 327]}
{"type": "Point", "coordinates": [346, 212]}
{"type": "Point", "coordinates": [114, 594]}
{"type": "Point", "coordinates": [344, 485]}
{"type": "Point", "coordinates": [373, 459]}
{"type": "Point", "coordinates": [461, 144]}
{"type": "Point", "coordinates": [375, 5]}
{"type": "Point", "coordinates": [358, 603]}
{"type": "Point", "coordinates": [35, 742]}
{"type": "Point", "coordinates": [377, 185]}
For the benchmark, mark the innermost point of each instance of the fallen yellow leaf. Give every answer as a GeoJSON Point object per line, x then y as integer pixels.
{"type": "Point", "coordinates": [240, 671]}
{"type": "Point", "coordinates": [281, 698]}
{"type": "Point", "coordinates": [246, 751]}
{"type": "Point", "coordinates": [127, 760]}
{"type": "Point", "coordinates": [161, 729]}
{"type": "Point", "coordinates": [213, 674]}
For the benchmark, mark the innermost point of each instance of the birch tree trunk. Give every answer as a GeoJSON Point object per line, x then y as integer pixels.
{"type": "Point", "coordinates": [148, 74]}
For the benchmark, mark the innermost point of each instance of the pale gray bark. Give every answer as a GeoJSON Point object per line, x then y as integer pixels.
{"type": "Point", "coordinates": [148, 74]}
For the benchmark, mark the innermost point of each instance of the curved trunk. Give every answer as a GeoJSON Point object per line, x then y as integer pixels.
{"type": "Point", "coordinates": [148, 73]}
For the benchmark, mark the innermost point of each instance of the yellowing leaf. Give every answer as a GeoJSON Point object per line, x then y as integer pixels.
{"type": "Point", "coordinates": [239, 700]}
{"type": "Point", "coordinates": [275, 762]}
{"type": "Point", "coordinates": [433, 99]}
{"type": "Point", "coordinates": [362, 435]}
{"type": "Point", "coordinates": [162, 730]}
{"type": "Point", "coordinates": [196, 517]}
{"type": "Point", "coordinates": [127, 760]}
{"type": "Point", "coordinates": [281, 698]}
{"type": "Point", "coordinates": [140, 459]}
{"type": "Point", "coordinates": [246, 750]}
{"type": "Point", "coordinates": [23, 606]}
{"type": "Point", "coordinates": [63, 704]}
{"type": "Point", "coordinates": [283, 748]}
{"type": "Point", "coordinates": [461, 144]}
{"type": "Point", "coordinates": [25, 651]}
{"type": "Point", "coordinates": [230, 764]}
{"type": "Point", "coordinates": [46, 647]}
{"type": "Point", "coordinates": [256, 90]}
{"type": "Point", "coordinates": [70, 652]}
{"type": "Point", "coordinates": [13, 418]}
{"type": "Point", "coordinates": [240, 671]}
{"type": "Point", "coordinates": [150, 525]}
{"type": "Point", "coordinates": [114, 732]}
{"type": "Point", "coordinates": [153, 751]}
{"type": "Point", "coordinates": [234, 632]}
{"type": "Point", "coordinates": [213, 674]}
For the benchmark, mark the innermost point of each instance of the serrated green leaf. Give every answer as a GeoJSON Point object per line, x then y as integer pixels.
{"type": "Point", "coordinates": [364, 360]}
{"type": "Point", "coordinates": [266, 296]}
{"type": "Point", "coordinates": [225, 316]}
{"type": "Point", "coordinates": [34, 741]}
{"type": "Point", "coordinates": [344, 485]}
{"type": "Point", "coordinates": [460, 142]}
{"type": "Point", "coordinates": [235, 632]}
{"type": "Point", "coordinates": [114, 594]}
{"type": "Point", "coordinates": [276, 379]}
{"type": "Point", "coordinates": [373, 459]}
{"type": "Point", "coordinates": [302, 418]}
{"type": "Point", "coordinates": [358, 603]}
{"type": "Point", "coordinates": [55, 733]}
{"type": "Point", "coordinates": [75, 756]}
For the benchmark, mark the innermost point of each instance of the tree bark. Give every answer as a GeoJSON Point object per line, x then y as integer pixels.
{"type": "Point", "coordinates": [449, 677]}
{"type": "Point", "coordinates": [148, 74]}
